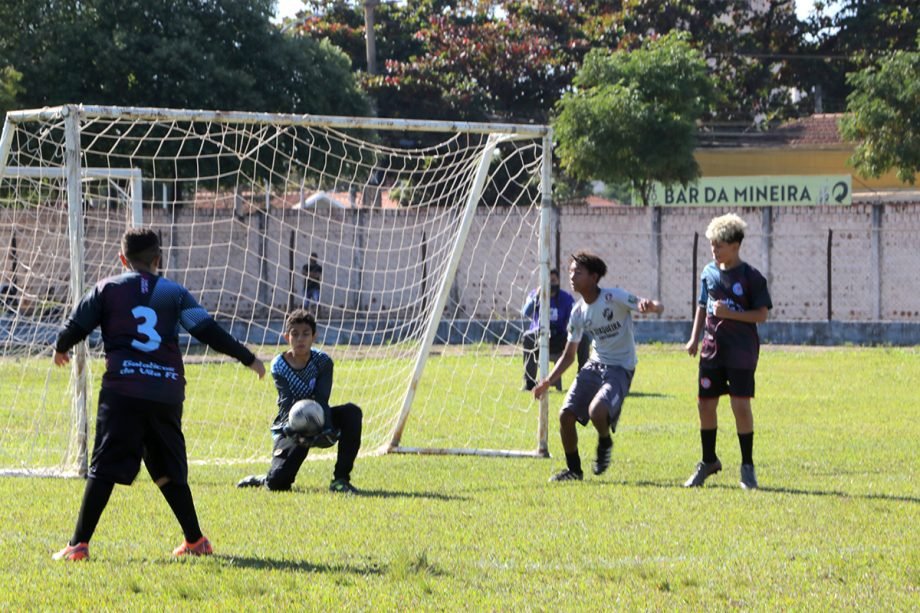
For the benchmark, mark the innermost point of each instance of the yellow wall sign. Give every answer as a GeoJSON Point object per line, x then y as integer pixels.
{"type": "Point", "coordinates": [789, 190]}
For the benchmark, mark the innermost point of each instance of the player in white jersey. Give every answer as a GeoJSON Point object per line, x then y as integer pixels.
{"type": "Point", "coordinates": [605, 315]}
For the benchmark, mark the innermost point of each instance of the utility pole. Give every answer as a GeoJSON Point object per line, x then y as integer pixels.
{"type": "Point", "coordinates": [371, 46]}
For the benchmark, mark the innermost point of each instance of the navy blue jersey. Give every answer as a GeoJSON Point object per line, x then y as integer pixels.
{"type": "Point", "coordinates": [139, 315]}
{"type": "Point", "coordinates": [727, 342]}
{"type": "Point", "coordinates": [313, 381]}
{"type": "Point", "coordinates": [560, 308]}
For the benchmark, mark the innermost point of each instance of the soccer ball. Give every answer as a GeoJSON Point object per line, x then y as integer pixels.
{"type": "Point", "coordinates": [307, 417]}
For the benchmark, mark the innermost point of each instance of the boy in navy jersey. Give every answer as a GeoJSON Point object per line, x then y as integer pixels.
{"type": "Point", "coordinates": [601, 385]}
{"type": "Point", "coordinates": [304, 372]}
{"type": "Point", "coordinates": [140, 403]}
{"type": "Point", "coordinates": [733, 300]}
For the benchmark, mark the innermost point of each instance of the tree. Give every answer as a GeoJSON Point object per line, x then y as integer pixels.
{"type": "Point", "coordinates": [852, 38]}
{"type": "Point", "coordinates": [194, 54]}
{"type": "Point", "coordinates": [750, 49]}
{"type": "Point", "coordinates": [883, 116]}
{"type": "Point", "coordinates": [9, 89]}
{"type": "Point", "coordinates": [632, 116]}
{"type": "Point", "coordinates": [463, 59]}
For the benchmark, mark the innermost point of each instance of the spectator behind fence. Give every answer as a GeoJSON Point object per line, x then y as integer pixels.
{"type": "Point", "coordinates": [560, 307]}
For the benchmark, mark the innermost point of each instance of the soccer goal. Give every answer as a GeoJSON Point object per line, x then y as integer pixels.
{"type": "Point", "coordinates": [425, 238]}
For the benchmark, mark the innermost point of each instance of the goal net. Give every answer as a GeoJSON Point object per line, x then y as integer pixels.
{"type": "Point", "coordinates": [425, 239]}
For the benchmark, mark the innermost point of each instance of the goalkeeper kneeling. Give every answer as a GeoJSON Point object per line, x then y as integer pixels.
{"type": "Point", "coordinates": [303, 372]}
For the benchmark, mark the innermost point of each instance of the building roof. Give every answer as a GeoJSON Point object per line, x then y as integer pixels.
{"type": "Point", "coordinates": [819, 130]}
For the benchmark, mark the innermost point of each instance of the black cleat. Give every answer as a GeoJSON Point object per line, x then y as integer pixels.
{"type": "Point", "coordinates": [343, 486]}
{"type": "Point", "coordinates": [252, 481]}
{"type": "Point", "coordinates": [567, 475]}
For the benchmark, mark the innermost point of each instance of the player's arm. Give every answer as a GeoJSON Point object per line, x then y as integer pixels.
{"type": "Point", "coordinates": [285, 395]}
{"type": "Point", "coordinates": [323, 387]}
{"type": "Point", "coordinates": [647, 305]}
{"type": "Point", "coordinates": [530, 304]}
{"type": "Point", "coordinates": [286, 400]}
{"type": "Point", "coordinates": [214, 336]}
{"type": "Point", "coordinates": [751, 316]}
{"type": "Point", "coordinates": [571, 352]}
{"type": "Point", "coordinates": [82, 321]}
{"type": "Point", "coordinates": [66, 339]}
{"type": "Point", "coordinates": [698, 320]}
{"type": "Point", "coordinates": [194, 318]}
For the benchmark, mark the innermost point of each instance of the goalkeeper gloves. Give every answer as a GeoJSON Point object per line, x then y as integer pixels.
{"type": "Point", "coordinates": [324, 439]}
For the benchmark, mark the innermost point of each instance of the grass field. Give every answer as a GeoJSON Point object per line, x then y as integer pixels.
{"type": "Point", "coordinates": [834, 525]}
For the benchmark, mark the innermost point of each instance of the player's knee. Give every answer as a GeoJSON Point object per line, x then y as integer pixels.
{"type": "Point", "coordinates": [566, 418]}
{"type": "Point", "coordinates": [599, 411]}
{"type": "Point", "coordinates": [349, 416]}
{"type": "Point", "coordinates": [162, 481]}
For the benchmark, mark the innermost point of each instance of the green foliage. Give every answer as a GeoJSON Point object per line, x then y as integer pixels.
{"type": "Point", "coordinates": [632, 116]}
{"type": "Point", "coordinates": [462, 59]}
{"type": "Point", "coordinates": [195, 54]}
{"type": "Point", "coordinates": [10, 87]}
{"type": "Point", "coordinates": [883, 116]}
{"type": "Point", "coordinates": [851, 38]}
{"type": "Point", "coordinates": [834, 525]}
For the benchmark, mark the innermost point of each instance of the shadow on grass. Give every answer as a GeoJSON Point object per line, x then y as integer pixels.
{"type": "Point", "coordinates": [363, 493]}
{"type": "Point", "coordinates": [296, 565]}
{"type": "Point", "coordinates": [771, 490]}
{"type": "Point", "coordinates": [648, 395]}
{"type": "Point", "coordinates": [397, 494]}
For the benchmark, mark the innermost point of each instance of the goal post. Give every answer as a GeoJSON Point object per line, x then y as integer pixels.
{"type": "Point", "coordinates": [430, 234]}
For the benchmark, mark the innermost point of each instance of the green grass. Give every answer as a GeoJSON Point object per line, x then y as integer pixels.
{"type": "Point", "coordinates": [835, 524]}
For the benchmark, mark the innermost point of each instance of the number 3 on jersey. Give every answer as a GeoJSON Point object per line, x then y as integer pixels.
{"type": "Point", "coordinates": [148, 319]}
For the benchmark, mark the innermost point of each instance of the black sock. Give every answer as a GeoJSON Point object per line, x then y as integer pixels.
{"type": "Point", "coordinates": [95, 497]}
{"type": "Point", "coordinates": [573, 461]}
{"type": "Point", "coordinates": [746, 441]}
{"type": "Point", "coordinates": [708, 439]}
{"type": "Point", "coordinates": [179, 497]}
{"type": "Point", "coordinates": [604, 442]}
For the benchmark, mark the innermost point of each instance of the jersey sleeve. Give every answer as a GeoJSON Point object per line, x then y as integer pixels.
{"type": "Point", "coordinates": [530, 304]}
{"type": "Point", "coordinates": [86, 316]}
{"type": "Point", "coordinates": [323, 388]}
{"type": "Point", "coordinates": [628, 300]}
{"type": "Point", "coordinates": [199, 323]}
{"type": "Point", "coordinates": [285, 394]}
{"type": "Point", "coordinates": [703, 299]}
{"type": "Point", "coordinates": [576, 326]}
{"type": "Point", "coordinates": [760, 295]}
{"type": "Point", "coordinates": [191, 314]}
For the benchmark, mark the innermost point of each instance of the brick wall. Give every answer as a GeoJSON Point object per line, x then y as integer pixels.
{"type": "Point", "coordinates": [372, 259]}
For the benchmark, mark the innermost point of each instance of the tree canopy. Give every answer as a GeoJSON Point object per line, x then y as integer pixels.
{"type": "Point", "coordinates": [632, 116]}
{"type": "Point", "coordinates": [883, 115]}
{"type": "Point", "coordinates": [193, 54]}
{"type": "Point", "coordinates": [850, 39]}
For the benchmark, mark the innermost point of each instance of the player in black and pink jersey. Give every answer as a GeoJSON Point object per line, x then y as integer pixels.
{"type": "Point", "coordinates": [143, 388]}
{"type": "Point", "coordinates": [733, 300]}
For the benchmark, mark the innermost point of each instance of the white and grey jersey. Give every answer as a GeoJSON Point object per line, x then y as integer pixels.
{"type": "Point", "coordinates": [608, 321]}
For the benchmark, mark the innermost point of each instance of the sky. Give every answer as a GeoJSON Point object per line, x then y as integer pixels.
{"type": "Point", "coordinates": [289, 8]}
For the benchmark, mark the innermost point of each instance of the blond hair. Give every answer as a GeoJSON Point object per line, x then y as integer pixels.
{"type": "Point", "coordinates": [727, 228]}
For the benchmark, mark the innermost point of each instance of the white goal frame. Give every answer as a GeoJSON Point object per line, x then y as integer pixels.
{"type": "Point", "coordinates": [73, 174]}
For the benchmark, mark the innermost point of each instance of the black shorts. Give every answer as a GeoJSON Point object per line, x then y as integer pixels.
{"type": "Point", "coordinates": [718, 381]}
{"type": "Point", "coordinates": [131, 429]}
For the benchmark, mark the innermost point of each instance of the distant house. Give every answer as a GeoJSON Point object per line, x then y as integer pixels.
{"type": "Point", "coordinates": [806, 146]}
